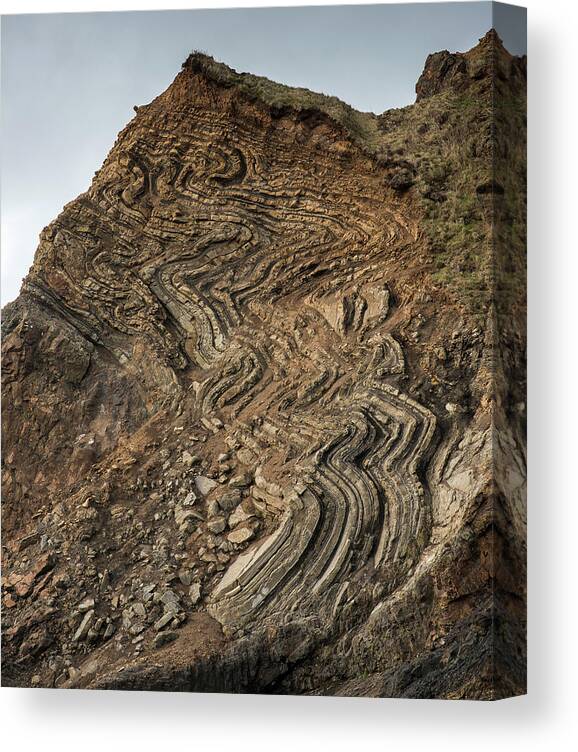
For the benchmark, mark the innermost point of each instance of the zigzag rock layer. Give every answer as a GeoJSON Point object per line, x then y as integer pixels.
{"type": "Point", "coordinates": [254, 439]}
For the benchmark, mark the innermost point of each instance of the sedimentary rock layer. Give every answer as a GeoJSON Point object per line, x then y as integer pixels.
{"type": "Point", "coordinates": [261, 426]}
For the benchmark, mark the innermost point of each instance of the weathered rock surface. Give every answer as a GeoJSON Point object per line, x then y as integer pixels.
{"type": "Point", "coordinates": [263, 398]}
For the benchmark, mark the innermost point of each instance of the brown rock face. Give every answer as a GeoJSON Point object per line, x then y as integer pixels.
{"type": "Point", "coordinates": [456, 71]}
{"type": "Point", "coordinates": [263, 398]}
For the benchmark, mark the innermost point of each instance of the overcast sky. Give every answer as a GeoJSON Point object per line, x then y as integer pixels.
{"type": "Point", "coordinates": [69, 81]}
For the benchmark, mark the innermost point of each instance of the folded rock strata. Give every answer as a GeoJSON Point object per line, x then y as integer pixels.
{"type": "Point", "coordinates": [264, 392]}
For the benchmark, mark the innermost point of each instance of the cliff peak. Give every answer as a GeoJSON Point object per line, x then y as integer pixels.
{"type": "Point", "coordinates": [459, 70]}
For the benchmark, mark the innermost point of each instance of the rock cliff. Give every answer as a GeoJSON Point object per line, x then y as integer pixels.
{"type": "Point", "coordinates": [264, 398]}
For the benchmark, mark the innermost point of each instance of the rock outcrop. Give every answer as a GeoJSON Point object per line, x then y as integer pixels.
{"type": "Point", "coordinates": [456, 71]}
{"type": "Point", "coordinates": [263, 398]}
